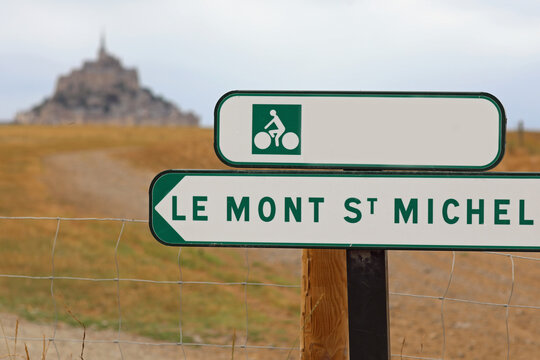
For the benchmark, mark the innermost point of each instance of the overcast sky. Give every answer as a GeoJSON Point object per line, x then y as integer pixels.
{"type": "Point", "coordinates": [192, 52]}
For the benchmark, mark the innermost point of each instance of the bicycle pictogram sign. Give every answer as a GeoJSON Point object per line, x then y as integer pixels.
{"type": "Point", "coordinates": [276, 129]}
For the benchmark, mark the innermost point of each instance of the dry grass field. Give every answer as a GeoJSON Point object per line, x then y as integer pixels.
{"type": "Point", "coordinates": [105, 172]}
{"type": "Point", "coordinates": [101, 171]}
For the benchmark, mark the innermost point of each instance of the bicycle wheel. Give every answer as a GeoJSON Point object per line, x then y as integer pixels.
{"type": "Point", "coordinates": [290, 141]}
{"type": "Point", "coordinates": [262, 140]}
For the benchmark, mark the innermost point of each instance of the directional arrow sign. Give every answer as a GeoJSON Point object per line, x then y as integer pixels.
{"type": "Point", "coordinates": [367, 130]}
{"type": "Point", "coordinates": [368, 210]}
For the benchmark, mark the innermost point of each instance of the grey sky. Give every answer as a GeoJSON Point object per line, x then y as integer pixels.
{"type": "Point", "coordinates": [194, 51]}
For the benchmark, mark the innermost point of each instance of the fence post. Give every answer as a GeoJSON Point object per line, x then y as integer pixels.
{"type": "Point", "coordinates": [521, 131]}
{"type": "Point", "coordinates": [324, 305]}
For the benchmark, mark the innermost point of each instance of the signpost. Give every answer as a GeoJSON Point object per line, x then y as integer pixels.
{"type": "Point", "coordinates": [365, 212]}
{"type": "Point", "coordinates": [360, 130]}
{"type": "Point", "coordinates": [347, 209]}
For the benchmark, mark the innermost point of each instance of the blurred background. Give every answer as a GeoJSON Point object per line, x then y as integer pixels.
{"type": "Point", "coordinates": [107, 94]}
{"type": "Point", "coordinates": [194, 51]}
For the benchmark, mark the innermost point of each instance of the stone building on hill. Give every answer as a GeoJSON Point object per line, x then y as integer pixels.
{"type": "Point", "coordinates": [104, 92]}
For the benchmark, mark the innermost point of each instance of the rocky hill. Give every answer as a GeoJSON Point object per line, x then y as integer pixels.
{"type": "Point", "coordinates": [103, 91]}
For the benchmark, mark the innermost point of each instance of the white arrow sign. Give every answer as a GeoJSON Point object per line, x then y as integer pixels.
{"type": "Point", "coordinates": [367, 130]}
{"type": "Point", "coordinates": [386, 210]}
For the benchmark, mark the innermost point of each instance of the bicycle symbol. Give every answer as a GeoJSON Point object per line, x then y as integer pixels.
{"type": "Point", "coordinates": [263, 139]}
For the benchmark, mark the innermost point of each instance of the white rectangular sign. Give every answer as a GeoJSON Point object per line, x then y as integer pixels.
{"type": "Point", "coordinates": [367, 130]}
{"type": "Point", "coordinates": [346, 209]}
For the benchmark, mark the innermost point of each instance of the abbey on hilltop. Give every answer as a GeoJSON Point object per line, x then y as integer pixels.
{"type": "Point", "coordinates": [104, 92]}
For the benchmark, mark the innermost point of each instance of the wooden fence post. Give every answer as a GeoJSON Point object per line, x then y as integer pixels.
{"type": "Point", "coordinates": [324, 305]}
{"type": "Point", "coordinates": [521, 131]}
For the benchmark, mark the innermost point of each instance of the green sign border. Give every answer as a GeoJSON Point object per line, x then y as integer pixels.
{"type": "Point", "coordinates": [166, 180]}
{"type": "Point", "coordinates": [483, 95]}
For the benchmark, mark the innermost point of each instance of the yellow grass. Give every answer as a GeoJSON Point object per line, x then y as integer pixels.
{"type": "Point", "coordinates": [210, 313]}
{"type": "Point", "coordinates": [216, 313]}
{"type": "Point", "coordinates": [521, 155]}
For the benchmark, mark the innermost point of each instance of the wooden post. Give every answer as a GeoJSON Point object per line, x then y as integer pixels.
{"type": "Point", "coordinates": [324, 305]}
{"type": "Point", "coordinates": [521, 131]}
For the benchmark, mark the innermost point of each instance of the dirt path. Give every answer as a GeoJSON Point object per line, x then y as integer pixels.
{"type": "Point", "coordinates": [69, 345]}
{"type": "Point", "coordinates": [96, 183]}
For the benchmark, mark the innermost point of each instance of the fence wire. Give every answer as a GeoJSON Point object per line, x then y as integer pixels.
{"type": "Point", "coordinates": [443, 298]}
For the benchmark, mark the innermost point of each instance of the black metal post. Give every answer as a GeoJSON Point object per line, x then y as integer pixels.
{"type": "Point", "coordinates": [367, 286]}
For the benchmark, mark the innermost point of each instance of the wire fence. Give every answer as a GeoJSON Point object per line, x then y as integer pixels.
{"type": "Point", "coordinates": [444, 298]}
{"type": "Point", "coordinates": [54, 340]}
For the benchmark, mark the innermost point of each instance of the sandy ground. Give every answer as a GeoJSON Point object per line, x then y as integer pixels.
{"type": "Point", "coordinates": [108, 187]}
{"type": "Point", "coordinates": [471, 330]}
{"type": "Point", "coordinates": [69, 345]}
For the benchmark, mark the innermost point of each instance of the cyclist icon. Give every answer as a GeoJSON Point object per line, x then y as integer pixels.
{"type": "Point", "coordinates": [280, 128]}
{"type": "Point", "coordinates": [263, 139]}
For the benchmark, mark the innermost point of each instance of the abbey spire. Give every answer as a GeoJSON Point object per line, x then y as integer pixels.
{"type": "Point", "coordinates": [102, 52]}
